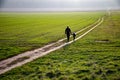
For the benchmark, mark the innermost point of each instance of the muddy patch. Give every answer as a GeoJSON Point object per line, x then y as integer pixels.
{"type": "Point", "coordinates": [2, 68]}
{"type": "Point", "coordinates": [103, 41]}
{"type": "Point", "coordinates": [17, 60]}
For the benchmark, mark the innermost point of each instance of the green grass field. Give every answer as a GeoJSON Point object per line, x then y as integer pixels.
{"type": "Point", "coordinates": [20, 32]}
{"type": "Point", "coordinates": [94, 57]}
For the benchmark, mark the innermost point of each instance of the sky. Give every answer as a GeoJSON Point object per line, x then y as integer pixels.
{"type": "Point", "coordinates": [58, 5]}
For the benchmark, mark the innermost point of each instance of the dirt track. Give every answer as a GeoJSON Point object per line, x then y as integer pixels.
{"type": "Point", "coordinates": [23, 58]}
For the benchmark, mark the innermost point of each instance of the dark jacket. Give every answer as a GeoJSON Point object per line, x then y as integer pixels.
{"type": "Point", "coordinates": [67, 31]}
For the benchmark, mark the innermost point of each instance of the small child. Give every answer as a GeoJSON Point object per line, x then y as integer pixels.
{"type": "Point", "coordinates": [74, 35]}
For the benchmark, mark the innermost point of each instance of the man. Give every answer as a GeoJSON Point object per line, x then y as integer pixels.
{"type": "Point", "coordinates": [68, 32]}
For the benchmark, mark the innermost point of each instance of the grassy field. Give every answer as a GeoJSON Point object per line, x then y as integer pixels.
{"type": "Point", "coordinates": [94, 57]}
{"type": "Point", "coordinates": [20, 32]}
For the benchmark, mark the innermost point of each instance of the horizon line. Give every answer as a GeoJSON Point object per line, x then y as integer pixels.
{"type": "Point", "coordinates": [54, 9]}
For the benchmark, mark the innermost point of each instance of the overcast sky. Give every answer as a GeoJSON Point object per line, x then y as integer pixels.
{"type": "Point", "coordinates": [34, 5]}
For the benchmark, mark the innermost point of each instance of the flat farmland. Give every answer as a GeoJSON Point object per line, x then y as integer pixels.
{"type": "Point", "coordinates": [20, 32]}
{"type": "Point", "coordinates": [94, 57]}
